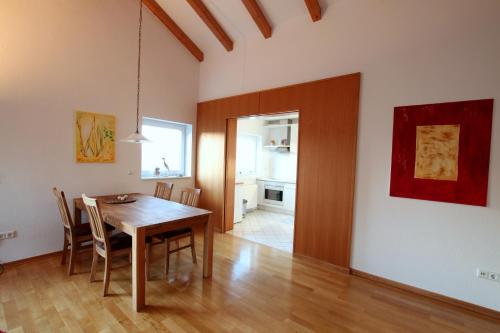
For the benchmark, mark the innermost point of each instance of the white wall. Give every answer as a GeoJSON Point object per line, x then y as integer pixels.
{"type": "Point", "coordinates": [254, 127]}
{"type": "Point", "coordinates": [409, 52]}
{"type": "Point", "coordinates": [270, 163]}
{"type": "Point", "coordinates": [60, 56]}
{"type": "Point", "coordinates": [283, 165]}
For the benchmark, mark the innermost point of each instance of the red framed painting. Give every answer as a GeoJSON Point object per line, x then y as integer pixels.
{"type": "Point", "coordinates": [441, 152]}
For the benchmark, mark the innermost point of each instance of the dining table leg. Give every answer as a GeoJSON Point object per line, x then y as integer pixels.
{"type": "Point", "coordinates": [138, 269]}
{"type": "Point", "coordinates": [208, 248]}
{"type": "Point", "coordinates": [77, 215]}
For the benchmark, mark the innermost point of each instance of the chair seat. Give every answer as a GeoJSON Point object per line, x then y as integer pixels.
{"type": "Point", "coordinates": [120, 241]}
{"type": "Point", "coordinates": [84, 233]}
{"type": "Point", "coordinates": [174, 233]}
{"type": "Point", "coordinates": [82, 229]}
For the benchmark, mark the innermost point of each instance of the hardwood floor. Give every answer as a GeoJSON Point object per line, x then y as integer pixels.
{"type": "Point", "coordinates": [253, 288]}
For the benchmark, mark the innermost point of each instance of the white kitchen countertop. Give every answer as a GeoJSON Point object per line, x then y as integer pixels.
{"type": "Point", "coordinates": [288, 181]}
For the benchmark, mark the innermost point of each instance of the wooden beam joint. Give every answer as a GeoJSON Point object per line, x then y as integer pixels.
{"type": "Point", "coordinates": [212, 23]}
{"type": "Point", "coordinates": [258, 16]}
{"type": "Point", "coordinates": [314, 9]}
{"type": "Point", "coordinates": [158, 11]}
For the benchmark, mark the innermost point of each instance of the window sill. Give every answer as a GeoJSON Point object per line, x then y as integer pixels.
{"type": "Point", "coordinates": [165, 177]}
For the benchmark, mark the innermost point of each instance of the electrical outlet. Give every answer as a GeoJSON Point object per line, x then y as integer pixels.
{"type": "Point", "coordinates": [484, 274]}
{"type": "Point", "coordinates": [481, 273]}
{"type": "Point", "coordinates": [494, 276]}
{"type": "Point", "coordinates": [8, 234]}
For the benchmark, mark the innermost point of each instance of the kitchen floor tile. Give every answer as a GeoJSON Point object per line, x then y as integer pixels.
{"type": "Point", "coordinates": [268, 228]}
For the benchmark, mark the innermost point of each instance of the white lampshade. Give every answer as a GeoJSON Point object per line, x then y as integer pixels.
{"type": "Point", "coordinates": [136, 138]}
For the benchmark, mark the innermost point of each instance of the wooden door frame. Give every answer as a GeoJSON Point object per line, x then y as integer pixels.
{"type": "Point", "coordinates": [231, 134]}
{"type": "Point", "coordinates": [229, 173]}
{"type": "Point", "coordinates": [325, 181]}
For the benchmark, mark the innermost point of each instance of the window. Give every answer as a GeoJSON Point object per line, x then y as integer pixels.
{"type": "Point", "coordinates": [169, 152]}
{"type": "Point", "coordinates": [246, 154]}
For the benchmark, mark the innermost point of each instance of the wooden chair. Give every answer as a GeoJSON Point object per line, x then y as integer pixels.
{"type": "Point", "coordinates": [163, 190]}
{"type": "Point", "coordinates": [190, 197]}
{"type": "Point", "coordinates": [74, 236]}
{"type": "Point", "coordinates": [107, 246]}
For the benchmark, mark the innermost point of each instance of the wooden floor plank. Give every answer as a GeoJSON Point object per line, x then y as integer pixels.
{"type": "Point", "coordinates": [253, 288]}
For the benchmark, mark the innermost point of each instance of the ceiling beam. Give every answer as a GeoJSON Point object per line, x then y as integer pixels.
{"type": "Point", "coordinates": [258, 16]}
{"type": "Point", "coordinates": [207, 17]}
{"type": "Point", "coordinates": [314, 9]}
{"type": "Point", "coordinates": [156, 9]}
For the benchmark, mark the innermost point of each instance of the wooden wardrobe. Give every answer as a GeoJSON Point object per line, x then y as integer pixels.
{"type": "Point", "coordinates": [328, 118]}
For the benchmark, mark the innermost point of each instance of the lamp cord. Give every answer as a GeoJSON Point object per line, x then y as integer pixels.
{"type": "Point", "coordinates": [139, 72]}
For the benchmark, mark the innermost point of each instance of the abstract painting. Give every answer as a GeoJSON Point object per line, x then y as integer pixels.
{"type": "Point", "coordinates": [94, 137]}
{"type": "Point", "coordinates": [441, 152]}
{"type": "Point", "coordinates": [436, 155]}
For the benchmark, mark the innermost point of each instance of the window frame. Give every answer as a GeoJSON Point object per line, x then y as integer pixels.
{"type": "Point", "coordinates": [186, 130]}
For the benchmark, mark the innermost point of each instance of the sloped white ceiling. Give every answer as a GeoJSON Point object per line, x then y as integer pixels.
{"type": "Point", "coordinates": [233, 17]}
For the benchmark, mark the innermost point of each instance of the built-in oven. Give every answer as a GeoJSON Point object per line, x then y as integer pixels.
{"type": "Point", "coordinates": [273, 194]}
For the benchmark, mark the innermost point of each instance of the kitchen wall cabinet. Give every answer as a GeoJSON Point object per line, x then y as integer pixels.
{"type": "Point", "coordinates": [276, 136]}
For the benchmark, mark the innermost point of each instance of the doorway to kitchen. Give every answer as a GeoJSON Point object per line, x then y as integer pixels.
{"type": "Point", "coordinates": [265, 179]}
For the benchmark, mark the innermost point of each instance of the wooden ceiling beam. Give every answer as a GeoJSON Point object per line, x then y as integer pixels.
{"type": "Point", "coordinates": [156, 9]}
{"type": "Point", "coordinates": [207, 17]}
{"type": "Point", "coordinates": [258, 16]}
{"type": "Point", "coordinates": [314, 9]}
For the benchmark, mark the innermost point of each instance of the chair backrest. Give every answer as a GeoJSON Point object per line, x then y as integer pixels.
{"type": "Point", "coordinates": [63, 209]}
{"type": "Point", "coordinates": [190, 196]}
{"type": "Point", "coordinates": [163, 190]}
{"type": "Point", "coordinates": [96, 221]}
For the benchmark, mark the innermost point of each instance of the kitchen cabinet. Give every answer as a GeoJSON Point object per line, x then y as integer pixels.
{"type": "Point", "coordinates": [289, 197]}
{"type": "Point", "coordinates": [260, 192]}
{"type": "Point", "coordinates": [281, 135]}
{"type": "Point", "coordinates": [238, 208]}
{"type": "Point", "coordinates": [276, 136]}
{"type": "Point", "coordinates": [288, 206]}
{"type": "Point", "coordinates": [247, 192]}
{"type": "Point", "coordinates": [250, 194]}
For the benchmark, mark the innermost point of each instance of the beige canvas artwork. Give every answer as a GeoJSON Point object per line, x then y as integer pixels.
{"type": "Point", "coordinates": [437, 152]}
{"type": "Point", "coordinates": [94, 137]}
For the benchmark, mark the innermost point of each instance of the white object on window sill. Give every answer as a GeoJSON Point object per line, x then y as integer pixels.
{"type": "Point", "coordinates": [165, 177]}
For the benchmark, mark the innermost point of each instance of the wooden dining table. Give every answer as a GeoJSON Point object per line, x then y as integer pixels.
{"type": "Point", "coordinates": [149, 216]}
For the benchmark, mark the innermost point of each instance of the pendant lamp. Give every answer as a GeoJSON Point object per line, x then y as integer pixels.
{"type": "Point", "coordinates": [137, 137]}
